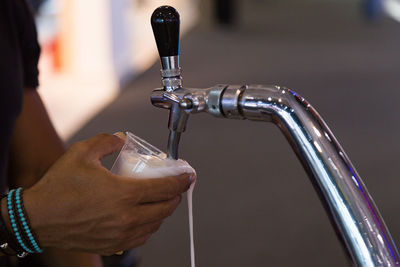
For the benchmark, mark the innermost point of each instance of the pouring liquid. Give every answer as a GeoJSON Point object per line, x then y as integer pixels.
{"type": "Point", "coordinates": [190, 212]}
{"type": "Point", "coordinates": [173, 141]}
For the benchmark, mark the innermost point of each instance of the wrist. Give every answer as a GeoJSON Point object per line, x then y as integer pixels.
{"type": "Point", "coordinates": [34, 210]}
{"type": "Point", "coordinates": [11, 241]}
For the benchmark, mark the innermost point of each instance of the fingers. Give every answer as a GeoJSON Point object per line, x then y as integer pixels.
{"type": "Point", "coordinates": [140, 235]}
{"type": "Point", "coordinates": [144, 230]}
{"type": "Point", "coordinates": [135, 242]}
{"type": "Point", "coordinates": [154, 212]}
{"type": "Point", "coordinates": [128, 243]}
{"type": "Point", "coordinates": [143, 220]}
{"type": "Point", "coordinates": [161, 189]}
{"type": "Point", "coordinates": [100, 145]}
{"type": "Point", "coordinates": [134, 238]}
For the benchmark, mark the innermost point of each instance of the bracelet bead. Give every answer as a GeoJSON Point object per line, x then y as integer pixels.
{"type": "Point", "coordinates": [9, 244]}
{"type": "Point", "coordinates": [24, 223]}
{"type": "Point", "coordinates": [13, 222]}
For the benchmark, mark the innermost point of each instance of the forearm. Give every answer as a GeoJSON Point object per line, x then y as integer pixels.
{"type": "Point", "coordinates": [35, 144]}
{"type": "Point", "coordinates": [52, 257]}
{"type": "Point", "coordinates": [35, 147]}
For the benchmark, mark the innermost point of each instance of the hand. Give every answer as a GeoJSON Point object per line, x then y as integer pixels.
{"type": "Point", "coordinates": [80, 205]}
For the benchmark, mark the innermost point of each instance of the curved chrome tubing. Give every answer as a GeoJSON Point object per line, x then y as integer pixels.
{"type": "Point", "coordinates": [345, 195]}
{"type": "Point", "coordinates": [342, 191]}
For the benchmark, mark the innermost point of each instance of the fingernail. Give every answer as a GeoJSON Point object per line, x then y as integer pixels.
{"type": "Point", "coordinates": [191, 177]}
{"type": "Point", "coordinates": [120, 135]}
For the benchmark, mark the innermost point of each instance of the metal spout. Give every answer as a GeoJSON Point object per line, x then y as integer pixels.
{"type": "Point", "coordinates": [173, 144]}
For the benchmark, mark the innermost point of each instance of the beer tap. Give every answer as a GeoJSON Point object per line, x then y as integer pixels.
{"type": "Point", "coordinates": [349, 205]}
{"type": "Point", "coordinates": [165, 22]}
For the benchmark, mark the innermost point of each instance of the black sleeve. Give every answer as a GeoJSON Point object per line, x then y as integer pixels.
{"type": "Point", "coordinates": [29, 46]}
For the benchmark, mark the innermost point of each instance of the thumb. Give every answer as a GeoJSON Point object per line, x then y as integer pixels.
{"type": "Point", "coordinates": [102, 145]}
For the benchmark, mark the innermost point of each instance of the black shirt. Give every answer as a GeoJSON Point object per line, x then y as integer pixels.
{"type": "Point", "coordinates": [19, 55]}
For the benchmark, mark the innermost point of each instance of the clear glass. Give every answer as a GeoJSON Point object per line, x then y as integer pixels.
{"type": "Point", "coordinates": [139, 159]}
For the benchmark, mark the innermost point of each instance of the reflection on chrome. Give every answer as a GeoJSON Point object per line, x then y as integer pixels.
{"type": "Point", "coordinates": [344, 195]}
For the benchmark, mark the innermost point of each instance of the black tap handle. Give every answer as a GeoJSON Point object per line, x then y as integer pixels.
{"type": "Point", "coordinates": [165, 22]}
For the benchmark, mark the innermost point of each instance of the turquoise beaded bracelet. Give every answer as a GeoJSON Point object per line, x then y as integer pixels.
{"type": "Point", "coordinates": [24, 222]}
{"type": "Point", "coordinates": [14, 222]}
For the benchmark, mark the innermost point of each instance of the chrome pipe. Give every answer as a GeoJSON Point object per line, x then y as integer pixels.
{"type": "Point", "coordinates": [344, 193]}
{"type": "Point", "coordinates": [346, 198]}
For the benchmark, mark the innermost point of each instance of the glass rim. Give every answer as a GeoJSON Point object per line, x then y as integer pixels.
{"type": "Point", "coordinates": [143, 144]}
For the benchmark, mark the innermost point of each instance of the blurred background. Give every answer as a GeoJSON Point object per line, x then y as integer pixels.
{"type": "Point", "coordinates": [253, 203]}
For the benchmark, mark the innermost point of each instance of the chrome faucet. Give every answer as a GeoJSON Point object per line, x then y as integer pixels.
{"type": "Point", "coordinates": [344, 195]}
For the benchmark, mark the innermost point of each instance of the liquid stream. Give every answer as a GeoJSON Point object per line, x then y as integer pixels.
{"type": "Point", "coordinates": [190, 212]}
